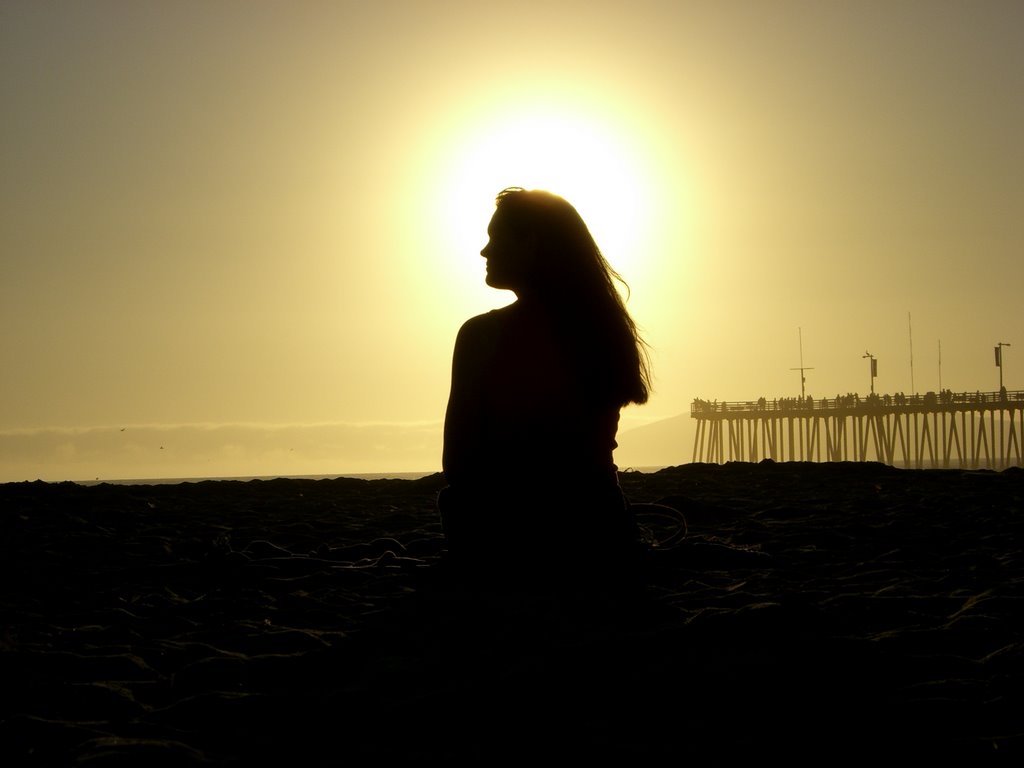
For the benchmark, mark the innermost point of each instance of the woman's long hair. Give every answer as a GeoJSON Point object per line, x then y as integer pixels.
{"type": "Point", "coordinates": [577, 284]}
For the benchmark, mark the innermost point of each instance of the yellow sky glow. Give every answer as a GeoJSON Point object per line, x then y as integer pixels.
{"type": "Point", "coordinates": [266, 213]}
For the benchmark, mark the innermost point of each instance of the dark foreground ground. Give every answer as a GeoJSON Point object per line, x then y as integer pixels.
{"type": "Point", "coordinates": [814, 612]}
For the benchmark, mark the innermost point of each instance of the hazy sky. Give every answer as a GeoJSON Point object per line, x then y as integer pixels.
{"type": "Point", "coordinates": [265, 215]}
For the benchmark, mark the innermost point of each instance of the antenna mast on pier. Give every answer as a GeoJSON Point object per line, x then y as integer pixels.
{"type": "Point", "coordinates": [801, 368]}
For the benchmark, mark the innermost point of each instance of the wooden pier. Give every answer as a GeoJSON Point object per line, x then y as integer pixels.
{"type": "Point", "coordinates": [968, 430]}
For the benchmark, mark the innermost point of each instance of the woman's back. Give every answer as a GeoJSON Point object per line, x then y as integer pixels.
{"type": "Point", "coordinates": [527, 408]}
{"type": "Point", "coordinates": [535, 397]}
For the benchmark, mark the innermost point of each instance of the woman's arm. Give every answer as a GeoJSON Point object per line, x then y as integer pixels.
{"type": "Point", "coordinates": [463, 417]}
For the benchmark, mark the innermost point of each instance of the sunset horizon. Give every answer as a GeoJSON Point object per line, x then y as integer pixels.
{"type": "Point", "coordinates": [242, 222]}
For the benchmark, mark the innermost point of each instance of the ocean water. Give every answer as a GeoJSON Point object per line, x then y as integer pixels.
{"type": "Point", "coordinates": [362, 476]}
{"type": "Point", "coordinates": [177, 480]}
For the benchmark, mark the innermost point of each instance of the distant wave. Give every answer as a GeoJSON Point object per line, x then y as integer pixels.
{"type": "Point", "coordinates": [178, 480]}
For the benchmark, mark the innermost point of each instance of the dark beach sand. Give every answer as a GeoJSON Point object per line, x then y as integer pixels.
{"type": "Point", "coordinates": [815, 612]}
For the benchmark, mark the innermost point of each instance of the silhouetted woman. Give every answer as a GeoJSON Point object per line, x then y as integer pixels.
{"type": "Point", "coordinates": [535, 397]}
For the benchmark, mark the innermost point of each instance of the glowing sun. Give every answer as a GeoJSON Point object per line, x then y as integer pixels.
{"type": "Point", "coordinates": [578, 157]}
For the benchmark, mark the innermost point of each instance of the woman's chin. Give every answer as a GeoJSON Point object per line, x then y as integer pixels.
{"type": "Point", "coordinates": [495, 281]}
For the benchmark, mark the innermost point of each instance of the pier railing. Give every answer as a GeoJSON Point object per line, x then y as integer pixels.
{"type": "Point", "coordinates": [934, 429]}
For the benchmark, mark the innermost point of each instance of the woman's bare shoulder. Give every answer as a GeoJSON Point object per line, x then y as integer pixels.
{"type": "Point", "coordinates": [485, 324]}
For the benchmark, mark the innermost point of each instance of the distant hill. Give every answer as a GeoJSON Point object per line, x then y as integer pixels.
{"type": "Point", "coordinates": [659, 444]}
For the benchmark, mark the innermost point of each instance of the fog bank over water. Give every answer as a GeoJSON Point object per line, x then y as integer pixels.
{"type": "Point", "coordinates": [233, 450]}
{"type": "Point", "coordinates": [261, 450]}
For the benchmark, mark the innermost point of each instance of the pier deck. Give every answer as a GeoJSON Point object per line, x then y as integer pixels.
{"type": "Point", "coordinates": [944, 429]}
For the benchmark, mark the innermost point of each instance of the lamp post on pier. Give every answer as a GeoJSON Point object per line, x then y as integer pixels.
{"type": "Point", "coordinates": [999, 361]}
{"type": "Point", "coordinates": [874, 369]}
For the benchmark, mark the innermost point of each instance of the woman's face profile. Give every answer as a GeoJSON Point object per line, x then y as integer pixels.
{"type": "Point", "coordinates": [507, 253]}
